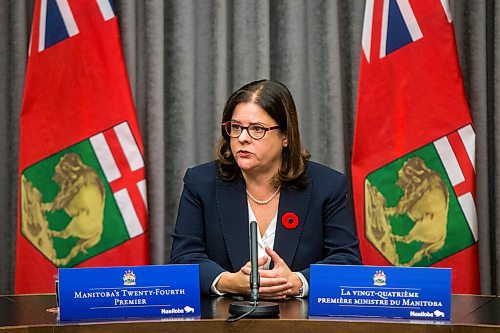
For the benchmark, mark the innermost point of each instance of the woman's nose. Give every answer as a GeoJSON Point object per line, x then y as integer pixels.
{"type": "Point", "coordinates": [244, 136]}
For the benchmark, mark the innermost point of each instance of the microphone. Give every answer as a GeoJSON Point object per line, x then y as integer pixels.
{"type": "Point", "coordinates": [253, 308]}
{"type": "Point", "coordinates": [254, 274]}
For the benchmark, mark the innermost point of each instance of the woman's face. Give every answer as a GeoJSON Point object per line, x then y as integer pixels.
{"type": "Point", "coordinates": [253, 156]}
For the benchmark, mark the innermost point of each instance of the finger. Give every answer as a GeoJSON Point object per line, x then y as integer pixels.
{"type": "Point", "coordinates": [268, 273]}
{"type": "Point", "coordinates": [270, 292]}
{"type": "Point", "coordinates": [271, 282]}
{"type": "Point", "coordinates": [274, 256]}
{"type": "Point", "coordinates": [279, 295]}
{"type": "Point", "coordinates": [263, 260]}
{"type": "Point", "coordinates": [248, 266]}
{"type": "Point", "coordinates": [274, 297]}
{"type": "Point", "coordinates": [276, 290]}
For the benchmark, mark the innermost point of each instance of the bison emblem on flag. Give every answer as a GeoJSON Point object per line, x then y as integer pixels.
{"type": "Point", "coordinates": [86, 198]}
{"type": "Point", "coordinates": [415, 204]}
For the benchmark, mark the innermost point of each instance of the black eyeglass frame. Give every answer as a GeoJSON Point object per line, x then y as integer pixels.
{"type": "Point", "coordinates": [266, 129]}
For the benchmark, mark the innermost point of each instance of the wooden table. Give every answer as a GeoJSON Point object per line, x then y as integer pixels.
{"type": "Point", "coordinates": [28, 313]}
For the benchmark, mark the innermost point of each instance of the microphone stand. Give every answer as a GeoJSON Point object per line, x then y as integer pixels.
{"type": "Point", "coordinates": [253, 308]}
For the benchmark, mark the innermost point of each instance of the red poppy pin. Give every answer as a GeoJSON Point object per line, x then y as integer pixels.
{"type": "Point", "coordinates": [290, 220]}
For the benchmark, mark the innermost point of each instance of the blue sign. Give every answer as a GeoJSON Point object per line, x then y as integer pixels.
{"type": "Point", "coordinates": [125, 292]}
{"type": "Point", "coordinates": [379, 291]}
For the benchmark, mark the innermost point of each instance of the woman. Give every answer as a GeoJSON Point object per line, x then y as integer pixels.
{"type": "Point", "coordinates": [261, 172]}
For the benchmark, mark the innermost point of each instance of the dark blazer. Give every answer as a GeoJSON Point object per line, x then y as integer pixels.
{"type": "Point", "coordinates": [212, 227]}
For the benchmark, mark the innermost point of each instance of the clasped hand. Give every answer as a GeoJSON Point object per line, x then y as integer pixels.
{"type": "Point", "coordinates": [277, 283]}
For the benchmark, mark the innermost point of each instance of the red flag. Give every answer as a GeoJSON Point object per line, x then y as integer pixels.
{"type": "Point", "coordinates": [82, 187]}
{"type": "Point", "coordinates": [414, 145]}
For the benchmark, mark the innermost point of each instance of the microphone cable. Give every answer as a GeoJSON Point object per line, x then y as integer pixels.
{"type": "Point", "coordinates": [235, 319]}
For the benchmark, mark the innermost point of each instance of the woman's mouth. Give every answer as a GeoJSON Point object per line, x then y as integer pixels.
{"type": "Point", "coordinates": [244, 153]}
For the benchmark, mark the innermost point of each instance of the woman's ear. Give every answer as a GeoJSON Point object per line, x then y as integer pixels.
{"type": "Point", "coordinates": [285, 140]}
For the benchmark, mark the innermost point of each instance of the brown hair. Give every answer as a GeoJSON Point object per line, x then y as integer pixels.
{"type": "Point", "coordinates": [275, 98]}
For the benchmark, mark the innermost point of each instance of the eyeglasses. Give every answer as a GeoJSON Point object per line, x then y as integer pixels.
{"type": "Point", "coordinates": [256, 131]}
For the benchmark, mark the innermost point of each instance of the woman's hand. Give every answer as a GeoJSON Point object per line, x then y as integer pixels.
{"type": "Point", "coordinates": [239, 282]}
{"type": "Point", "coordinates": [281, 271]}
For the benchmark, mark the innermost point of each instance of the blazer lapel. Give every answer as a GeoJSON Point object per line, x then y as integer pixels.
{"type": "Point", "coordinates": [233, 216]}
{"type": "Point", "coordinates": [287, 240]}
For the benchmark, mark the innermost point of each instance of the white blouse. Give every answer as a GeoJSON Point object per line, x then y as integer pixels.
{"type": "Point", "coordinates": [265, 240]}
